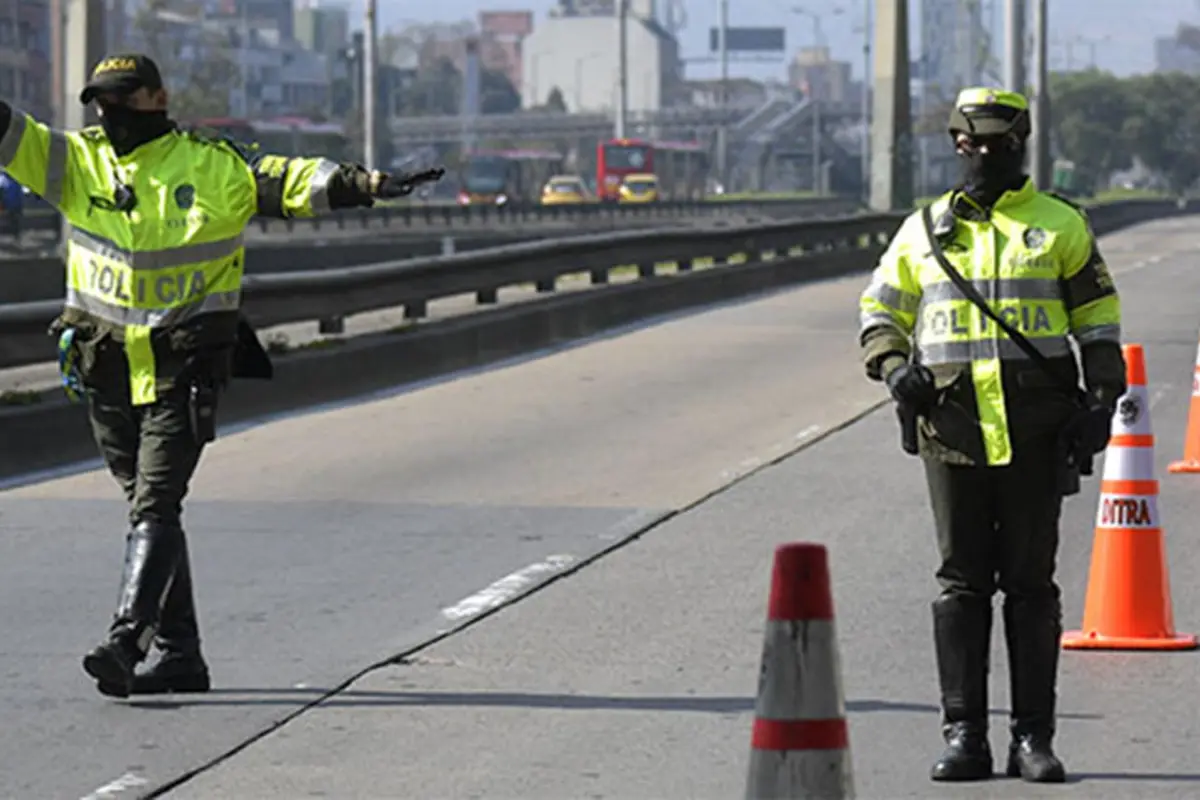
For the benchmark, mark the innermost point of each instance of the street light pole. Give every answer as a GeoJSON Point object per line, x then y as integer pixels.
{"type": "Point", "coordinates": [1014, 45]}
{"type": "Point", "coordinates": [622, 68]}
{"type": "Point", "coordinates": [723, 128]}
{"type": "Point", "coordinates": [369, 93]}
{"type": "Point", "coordinates": [865, 110]}
{"type": "Point", "coordinates": [1040, 155]}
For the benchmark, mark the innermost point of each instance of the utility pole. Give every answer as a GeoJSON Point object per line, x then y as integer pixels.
{"type": "Point", "coordinates": [723, 94]}
{"type": "Point", "coordinates": [818, 41]}
{"type": "Point", "coordinates": [369, 93]}
{"type": "Point", "coordinates": [1014, 45]}
{"type": "Point", "coordinates": [57, 59]}
{"type": "Point", "coordinates": [1040, 152]}
{"type": "Point", "coordinates": [865, 110]}
{"type": "Point", "coordinates": [622, 68]}
{"type": "Point", "coordinates": [891, 124]}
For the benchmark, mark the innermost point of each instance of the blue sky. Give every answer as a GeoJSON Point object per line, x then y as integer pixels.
{"type": "Point", "coordinates": [1122, 30]}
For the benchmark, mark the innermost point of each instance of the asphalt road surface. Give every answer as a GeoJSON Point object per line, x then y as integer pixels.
{"type": "Point", "coordinates": [327, 541]}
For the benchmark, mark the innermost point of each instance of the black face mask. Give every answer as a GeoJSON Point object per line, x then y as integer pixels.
{"type": "Point", "coordinates": [129, 128]}
{"type": "Point", "coordinates": [988, 175]}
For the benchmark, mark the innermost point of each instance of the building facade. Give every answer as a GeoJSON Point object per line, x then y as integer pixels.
{"type": "Point", "coordinates": [954, 46]}
{"type": "Point", "coordinates": [816, 74]}
{"type": "Point", "coordinates": [579, 56]}
{"type": "Point", "coordinates": [25, 56]}
{"type": "Point", "coordinates": [322, 27]}
{"type": "Point", "coordinates": [272, 76]}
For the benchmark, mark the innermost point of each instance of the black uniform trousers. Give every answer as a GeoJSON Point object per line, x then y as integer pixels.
{"type": "Point", "coordinates": [152, 453]}
{"type": "Point", "coordinates": [997, 528]}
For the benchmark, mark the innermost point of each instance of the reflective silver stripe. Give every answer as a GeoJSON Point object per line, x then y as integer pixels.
{"type": "Point", "coordinates": [156, 317]}
{"type": "Point", "coordinates": [892, 297]}
{"type": "Point", "coordinates": [1097, 333]}
{"type": "Point", "coordinates": [1004, 349]}
{"type": "Point", "coordinates": [1001, 289]}
{"type": "Point", "coordinates": [12, 137]}
{"type": "Point", "coordinates": [319, 186]}
{"type": "Point", "coordinates": [877, 319]}
{"type": "Point", "coordinates": [56, 168]}
{"type": "Point", "coordinates": [156, 259]}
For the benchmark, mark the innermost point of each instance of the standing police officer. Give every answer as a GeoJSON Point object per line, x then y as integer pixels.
{"type": "Point", "coordinates": [996, 428]}
{"type": "Point", "coordinates": [151, 329]}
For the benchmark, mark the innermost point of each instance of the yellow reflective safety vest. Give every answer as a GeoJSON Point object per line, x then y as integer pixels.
{"type": "Point", "coordinates": [1033, 258]}
{"type": "Point", "coordinates": [176, 259]}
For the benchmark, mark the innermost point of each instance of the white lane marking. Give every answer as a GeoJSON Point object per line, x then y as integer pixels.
{"type": "Point", "coordinates": [1159, 394]}
{"type": "Point", "coordinates": [808, 433]}
{"type": "Point", "coordinates": [750, 464]}
{"type": "Point", "coordinates": [114, 788]}
{"type": "Point", "coordinates": [506, 588]}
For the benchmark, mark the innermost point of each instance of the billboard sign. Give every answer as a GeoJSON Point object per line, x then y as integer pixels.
{"type": "Point", "coordinates": [748, 40]}
{"type": "Point", "coordinates": [506, 24]}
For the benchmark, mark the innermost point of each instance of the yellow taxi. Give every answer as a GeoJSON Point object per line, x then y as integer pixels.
{"type": "Point", "coordinates": [639, 187]}
{"type": "Point", "coordinates": [564, 190]}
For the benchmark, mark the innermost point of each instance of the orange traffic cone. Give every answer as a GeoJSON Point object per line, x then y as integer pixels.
{"type": "Point", "coordinates": [1128, 604]}
{"type": "Point", "coordinates": [800, 746]}
{"type": "Point", "coordinates": [1191, 440]}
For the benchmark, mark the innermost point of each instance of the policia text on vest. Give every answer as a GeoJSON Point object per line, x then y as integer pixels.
{"type": "Point", "coordinates": [151, 329]}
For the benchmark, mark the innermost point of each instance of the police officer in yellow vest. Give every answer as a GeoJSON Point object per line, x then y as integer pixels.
{"type": "Point", "coordinates": [151, 326]}
{"type": "Point", "coordinates": [993, 426]}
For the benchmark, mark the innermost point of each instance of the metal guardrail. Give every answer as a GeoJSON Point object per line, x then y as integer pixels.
{"type": "Point", "coordinates": [426, 215]}
{"type": "Point", "coordinates": [328, 296]}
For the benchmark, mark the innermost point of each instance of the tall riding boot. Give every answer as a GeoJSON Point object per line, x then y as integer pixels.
{"type": "Point", "coordinates": [181, 666]}
{"type": "Point", "coordinates": [151, 554]}
{"type": "Point", "coordinates": [962, 634]}
{"type": "Point", "coordinates": [1032, 629]}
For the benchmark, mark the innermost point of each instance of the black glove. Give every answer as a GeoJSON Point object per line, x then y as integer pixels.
{"type": "Point", "coordinates": [912, 385]}
{"type": "Point", "coordinates": [386, 185]}
{"type": "Point", "coordinates": [1093, 427]}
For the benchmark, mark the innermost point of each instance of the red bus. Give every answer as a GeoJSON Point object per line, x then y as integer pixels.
{"type": "Point", "coordinates": [285, 136]}
{"type": "Point", "coordinates": [497, 177]}
{"type": "Point", "coordinates": [681, 167]}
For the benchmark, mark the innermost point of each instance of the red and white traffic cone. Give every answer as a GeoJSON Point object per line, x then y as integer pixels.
{"type": "Point", "coordinates": [800, 747]}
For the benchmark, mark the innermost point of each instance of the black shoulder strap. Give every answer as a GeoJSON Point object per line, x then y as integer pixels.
{"type": "Point", "coordinates": [971, 294]}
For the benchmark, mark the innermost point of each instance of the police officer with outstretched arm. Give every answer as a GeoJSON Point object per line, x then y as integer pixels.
{"type": "Point", "coordinates": [1003, 429]}
{"type": "Point", "coordinates": [151, 330]}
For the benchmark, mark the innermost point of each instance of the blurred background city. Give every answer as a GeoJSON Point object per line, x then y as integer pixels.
{"type": "Point", "coordinates": [511, 95]}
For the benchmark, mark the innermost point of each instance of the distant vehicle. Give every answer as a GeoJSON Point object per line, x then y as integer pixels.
{"type": "Point", "coordinates": [681, 167]}
{"type": "Point", "coordinates": [285, 136]}
{"type": "Point", "coordinates": [564, 190]}
{"type": "Point", "coordinates": [497, 177]}
{"type": "Point", "coordinates": [638, 188]}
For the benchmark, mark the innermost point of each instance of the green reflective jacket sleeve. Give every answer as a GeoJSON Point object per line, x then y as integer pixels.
{"type": "Point", "coordinates": [888, 306]}
{"type": "Point", "coordinates": [306, 187]}
{"type": "Point", "coordinates": [1094, 306]}
{"type": "Point", "coordinates": [45, 160]}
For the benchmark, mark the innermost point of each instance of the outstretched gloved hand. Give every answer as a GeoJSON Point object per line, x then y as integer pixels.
{"type": "Point", "coordinates": [912, 385]}
{"type": "Point", "coordinates": [387, 185]}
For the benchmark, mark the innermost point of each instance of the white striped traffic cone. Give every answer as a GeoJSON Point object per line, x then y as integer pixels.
{"type": "Point", "coordinates": [800, 747]}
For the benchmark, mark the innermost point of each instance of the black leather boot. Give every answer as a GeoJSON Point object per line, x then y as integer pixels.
{"type": "Point", "coordinates": [151, 554]}
{"type": "Point", "coordinates": [181, 667]}
{"type": "Point", "coordinates": [962, 634]}
{"type": "Point", "coordinates": [1032, 629]}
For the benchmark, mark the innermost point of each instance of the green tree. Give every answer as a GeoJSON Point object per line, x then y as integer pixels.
{"type": "Point", "coordinates": [555, 101]}
{"type": "Point", "coordinates": [1090, 113]}
{"type": "Point", "coordinates": [1164, 130]}
{"type": "Point", "coordinates": [199, 84]}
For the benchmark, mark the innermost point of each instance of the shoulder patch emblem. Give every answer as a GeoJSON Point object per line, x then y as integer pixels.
{"type": "Point", "coordinates": [1034, 238]}
{"type": "Point", "coordinates": [185, 196]}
